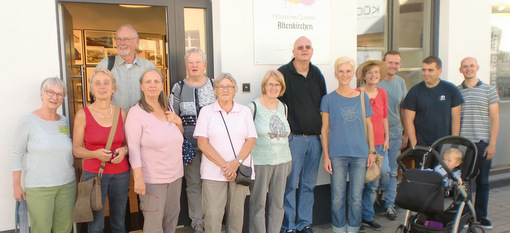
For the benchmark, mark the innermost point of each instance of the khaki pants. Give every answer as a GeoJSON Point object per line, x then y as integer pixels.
{"type": "Point", "coordinates": [268, 190]}
{"type": "Point", "coordinates": [218, 195]}
{"type": "Point", "coordinates": [160, 207]}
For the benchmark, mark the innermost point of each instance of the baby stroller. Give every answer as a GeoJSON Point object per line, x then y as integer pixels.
{"type": "Point", "coordinates": [422, 192]}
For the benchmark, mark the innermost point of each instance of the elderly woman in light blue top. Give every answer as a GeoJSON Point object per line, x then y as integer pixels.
{"type": "Point", "coordinates": [271, 155]}
{"type": "Point", "coordinates": [42, 139]}
{"type": "Point", "coordinates": [345, 147]}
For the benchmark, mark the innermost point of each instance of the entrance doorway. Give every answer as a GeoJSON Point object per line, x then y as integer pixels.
{"type": "Point", "coordinates": [166, 29]}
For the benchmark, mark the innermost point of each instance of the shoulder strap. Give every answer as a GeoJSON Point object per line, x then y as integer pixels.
{"type": "Point", "coordinates": [110, 136]}
{"type": "Point", "coordinates": [254, 110]}
{"type": "Point", "coordinates": [111, 62]}
{"type": "Point", "coordinates": [363, 113]}
{"type": "Point", "coordinates": [109, 142]}
{"type": "Point", "coordinates": [181, 85]}
{"type": "Point", "coordinates": [228, 133]}
{"type": "Point", "coordinates": [284, 108]}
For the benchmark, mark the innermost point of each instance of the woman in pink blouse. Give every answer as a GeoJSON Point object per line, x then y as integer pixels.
{"type": "Point", "coordinates": [219, 162]}
{"type": "Point", "coordinates": [154, 135]}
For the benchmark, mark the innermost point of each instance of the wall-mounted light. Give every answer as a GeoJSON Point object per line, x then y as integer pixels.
{"type": "Point", "coordinates": [134, 6]}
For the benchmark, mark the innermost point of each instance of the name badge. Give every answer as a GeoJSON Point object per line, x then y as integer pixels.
{"type": "Point", "coordinates": [63, 129]}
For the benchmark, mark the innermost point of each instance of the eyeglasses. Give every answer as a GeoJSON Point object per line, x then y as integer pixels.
{"type": "Point", "coordinates": [274, 84]}
{"type": "Point", "coordinates": [51, 93]}
{"type": "Point", "coordinates": [227, 87]}
{"type": "Point", "coordinates": [301, 47]}
{"type": "Point", "coordinates": [125, 39]}
{"type": "Point", "coordinates": [372, 72]}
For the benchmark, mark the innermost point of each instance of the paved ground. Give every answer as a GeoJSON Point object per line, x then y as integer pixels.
{"type": "Point", "coordinates": [499, 214]}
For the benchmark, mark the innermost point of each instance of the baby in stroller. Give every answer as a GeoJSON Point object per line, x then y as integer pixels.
{"type": "Point", "coordinates": [449, 164]}
{"type": "Point", "coordinates": [452, 159]}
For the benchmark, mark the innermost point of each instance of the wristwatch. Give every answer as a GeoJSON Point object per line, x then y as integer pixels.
{"type": "Point", "coordinates": [240, 160]}
{"type": "Point", "coordinates": [372, 152]}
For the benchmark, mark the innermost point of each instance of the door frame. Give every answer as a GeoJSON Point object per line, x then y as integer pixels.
{"type": "Point", "coordinates": [175, 32]}
{"type": "Point", "coordinates": [175, 47]}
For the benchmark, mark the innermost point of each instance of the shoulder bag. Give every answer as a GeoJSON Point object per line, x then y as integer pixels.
{"type": "Point", "coordinates": [374, 172]}
{"type": "Point", "coordinates": [188, 150]}
{"type": "Point", "coordinates": [89, 191]}
{"type": "Point", "coordinates": [243, 172]}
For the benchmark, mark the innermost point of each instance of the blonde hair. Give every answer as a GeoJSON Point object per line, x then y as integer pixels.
{"type": "Point", "coordinates": [104, 71]}
{"type": "Point", "coordinates": [276, 75]}
{"type": "Point", "coordinates": [454, 154]}
{"type": "Point", "coordinates": [344, 60]}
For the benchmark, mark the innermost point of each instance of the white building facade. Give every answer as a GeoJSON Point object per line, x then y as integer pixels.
{"type": "Point", "coordinates": [33, 49]}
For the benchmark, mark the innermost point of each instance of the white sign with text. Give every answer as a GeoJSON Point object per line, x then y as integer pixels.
{"type": "Point", "coordinates": [277, 24]}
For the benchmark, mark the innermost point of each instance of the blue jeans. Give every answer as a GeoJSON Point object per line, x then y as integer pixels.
{"type": "Point", "coordinates": [116, 186]}
{"type": "Point", "coordinates": [388, 181]}
{"type": "Point", "coordinates": [306, 153]}
{"type": "Point", "coordinates": [356, 169]}
{"type": "Point", "coordinates": [482, 182]}
{"type": "Point", "coordinates": [369, 192]}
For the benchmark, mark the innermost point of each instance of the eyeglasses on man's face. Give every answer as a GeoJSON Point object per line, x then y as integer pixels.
{"type": "Point", "coordinates": [125, 39]}
{"type": "Point", "coordinates": [302, 47]}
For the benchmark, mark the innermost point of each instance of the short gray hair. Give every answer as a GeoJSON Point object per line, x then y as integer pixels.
{"type": "Point", "coordinates": [130, 27]}
{"type": "Point", "coordinates": [223, 76]}
{"type": "Point", "coordinates": [195, 50]}
{"type": "Point", "coordinates": [53, 81]}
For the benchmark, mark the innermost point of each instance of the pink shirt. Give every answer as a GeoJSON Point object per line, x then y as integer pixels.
{"type": "Point", "coordinates": [155, 146]}
{"type": "Point", "coordinates": [210, 125]}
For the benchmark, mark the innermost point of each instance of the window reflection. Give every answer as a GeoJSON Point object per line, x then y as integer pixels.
{"type": "Point", "coordinates": [500, 48]}
{"type": "Point", "coordinates": [194, 28]}
{"type": "Point", "coordinates": [398, 25]}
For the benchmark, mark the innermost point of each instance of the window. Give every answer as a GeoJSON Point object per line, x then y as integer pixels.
{"type": "Point", "coordinates": [500, 48]}
{"type": "Point", "coordinates": [407, 26]}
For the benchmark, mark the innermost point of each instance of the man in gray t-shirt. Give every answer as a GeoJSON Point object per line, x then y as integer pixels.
{"type": "Point", "coordinates": [396, 89]}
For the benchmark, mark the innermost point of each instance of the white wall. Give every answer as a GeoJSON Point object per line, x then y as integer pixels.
{"type": "Point", "coordinates": [464, 31]}
{"type": "Point", "coordinates": [29, 54]}
{"type": "Point", "coordinates": [233, 46]}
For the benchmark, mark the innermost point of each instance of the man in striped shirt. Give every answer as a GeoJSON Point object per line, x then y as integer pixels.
{"type": "Point", "coordinates": [480, 124]}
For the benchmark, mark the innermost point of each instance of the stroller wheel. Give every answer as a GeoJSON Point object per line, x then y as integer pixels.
{"type": "Point", "coordinates": [475, 229]}
{"type": "Point", "coordinates": [401, 229]}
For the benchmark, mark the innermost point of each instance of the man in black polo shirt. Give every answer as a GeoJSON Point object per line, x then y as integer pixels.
{"type": "Point", "coordinates": [305, 88]}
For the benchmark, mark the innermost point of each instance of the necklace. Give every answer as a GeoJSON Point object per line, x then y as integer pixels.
{"type": "Point", "coordinates": [268, 106]}
{"type": "Point", "coordinates": [111, 111]}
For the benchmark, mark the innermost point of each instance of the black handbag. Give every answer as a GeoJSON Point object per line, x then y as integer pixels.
{"type": "Point", "coordinates": [243, 175]}
{"type": "Point", "coordinates": [243, 172]}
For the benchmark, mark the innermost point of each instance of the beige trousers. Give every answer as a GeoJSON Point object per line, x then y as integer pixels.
{"type": "Point", "coordinates": [218, 196]}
